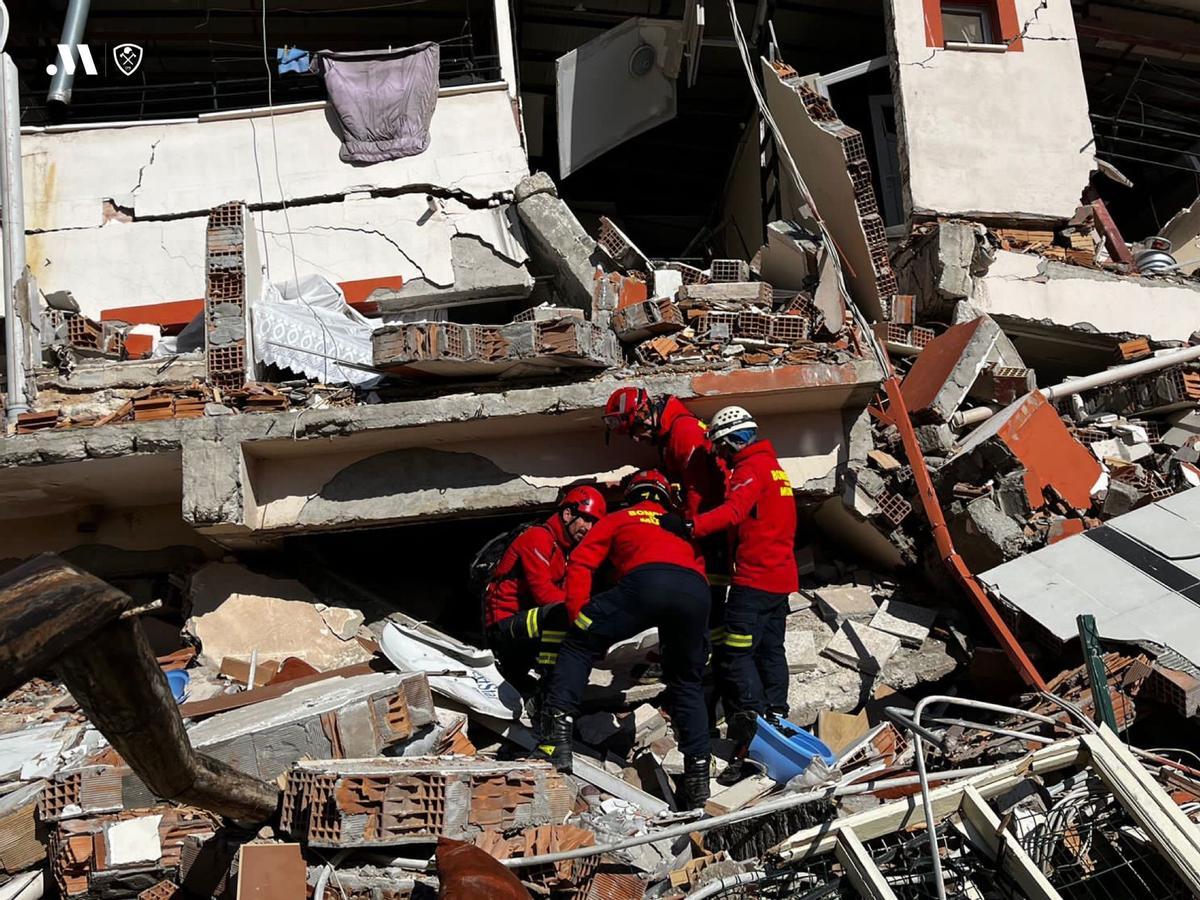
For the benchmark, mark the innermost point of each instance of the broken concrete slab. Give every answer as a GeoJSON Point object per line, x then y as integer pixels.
{"type": "Point", "coordinates": [948, 369]}
{"type": "Point", "coordinates": [338, 717]}
{"type": "Point", "coordinates": [1027, 434]}
{"type": "Point", "coordinates": [862, 647]}
{"type": "Point", "coordinates": [236, 612]}
{"type": "Point", "coordinates": [906, 621]}
{"type": "Point", "coordinates": [837, 604]}
{"type": "Point", "coordinates": [800, 647]}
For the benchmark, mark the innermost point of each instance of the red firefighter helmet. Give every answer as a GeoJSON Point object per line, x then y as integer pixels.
{"type": "Point", "coordinates": [585, 501]}
{"type": "Point", "coordinates": [627, 408]}
{"type": "Point", "coordinates": [648, 484]}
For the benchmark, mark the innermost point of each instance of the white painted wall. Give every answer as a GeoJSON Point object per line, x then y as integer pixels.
{"type": "Point", "coordinates": [994, 133]}
{"type": "Point", "coordinates": [1025, 285]}
{"type": "Point", "coordinates": [184, 169]}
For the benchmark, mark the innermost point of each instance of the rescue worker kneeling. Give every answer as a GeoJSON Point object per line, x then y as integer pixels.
{"type": "Point", "coordinates": [524, 602]}
{"type": "Point", "coordinates": [660, 583]}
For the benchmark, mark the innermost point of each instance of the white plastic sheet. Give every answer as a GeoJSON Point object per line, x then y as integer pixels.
{"type": "Point", "coordinates": [313, 331]}
{"type": "Point", "coordinates": [482, 688]}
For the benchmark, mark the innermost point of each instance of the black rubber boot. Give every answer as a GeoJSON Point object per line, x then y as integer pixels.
{"type": "Point", "coordinates": [696, 773]}
{"type": "Point", "coordinates": [554, 739]}
{"type": "Point", "coordinates": [742, 728]}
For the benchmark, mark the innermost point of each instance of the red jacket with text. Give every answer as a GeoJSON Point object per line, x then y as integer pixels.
{"type": "Point", "coordinates": [628, 538]}
{"type": "Point", "coordinates": [688, 457]}
{"type": "Point", "coordinates": [530, 573]}
{"type": "Point", "coordinates": [760, 507]}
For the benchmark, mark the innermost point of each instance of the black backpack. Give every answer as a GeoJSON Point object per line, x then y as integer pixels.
{"type": "Point", "coordinates": [483, 567]}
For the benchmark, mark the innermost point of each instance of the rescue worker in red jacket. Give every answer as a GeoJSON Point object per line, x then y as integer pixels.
{"type": "Point", "coordinates": [689, 460]}
{"type": "Point", "coordinates": [687, 455]}
{"type": "Point", "coordinates": [660, 583]}
{"type": "Point", "coordinates": [524, 611]}
{"type": "Point", "coordinates": [761, 512]}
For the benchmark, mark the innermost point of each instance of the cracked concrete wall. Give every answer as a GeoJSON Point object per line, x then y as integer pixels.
{"type": "Point", "coordinates": [989, 133]}
{"type": "Point", "coordinates": [348, 222]}
{"type": "Point", "coordinates": [1029, 287]}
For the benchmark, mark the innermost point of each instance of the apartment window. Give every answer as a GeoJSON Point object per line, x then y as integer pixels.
{"type": "Point", "coordinates": [987, 24]}
{"type": "Point", "coordinates": [969, 23]}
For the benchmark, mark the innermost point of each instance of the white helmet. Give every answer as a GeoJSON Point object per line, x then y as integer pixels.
{"type": "Point", "coordinates": [733, 422]}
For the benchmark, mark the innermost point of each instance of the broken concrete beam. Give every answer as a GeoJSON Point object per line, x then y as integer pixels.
{"type": "Point", "coordinates": [383, 802]}
{"type": "Point", "coordinates": [908, 622]}
{"type": "Point", "coordinates": [984, 535]}
{"type": "Point", "coordinates": [939, 266]}
{"type": "Point", "coordinates": [333, 719]}
{"type": "Point", "coordinates": [648, 726]}
{"type": "Point", "coordinates": [558, 244]}
{"type": "Point", "coordinates": [645, 320]}
{"type": "Point", "coordinates": [948, 369]}
{"type": "Point", "coordinates": [1029, 435]}
{"type": "Point", "coordinates": [861, 647]}
{"type": "Point", "coordinates": [1123, 497]}
{"type": "Point", "coordinates": [837, 604]}
{"type": "Point", "coordinates": [739, 292]}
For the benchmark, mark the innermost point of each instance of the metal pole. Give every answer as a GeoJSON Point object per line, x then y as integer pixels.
{"type": "Point", "coordinates": [1089, 382]}
{"type": "Point", "coordinates": [72, 36]}
{"type": "Point", "coordinates": [12, 219]}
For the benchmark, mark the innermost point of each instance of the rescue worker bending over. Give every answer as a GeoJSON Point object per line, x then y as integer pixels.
{"type": "Point", "coordinates": [524, 611]}
{"type": "Point", "coordinates": [689, 460]}
{"type": "Point", "coordinates": [687, 456]}
{"type": "Point", "coordinates": [660, 583]}
{"type": "Point", "coordinates": [760, 510]}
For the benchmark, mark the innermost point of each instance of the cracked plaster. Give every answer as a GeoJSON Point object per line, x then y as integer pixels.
{"type": "Point", "coordinates": [973, 142]}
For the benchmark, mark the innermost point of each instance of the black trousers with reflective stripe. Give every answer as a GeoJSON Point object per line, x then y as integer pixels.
{"type": "Point", "coordinates": [750, 661]}
{"type": "Point", "coordinates": [528, 641]}
{"type": "Point", "coordinates": [671, 598]}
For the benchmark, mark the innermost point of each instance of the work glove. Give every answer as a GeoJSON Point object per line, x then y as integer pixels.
{"type": "Point", "coordinates": [676, 525]}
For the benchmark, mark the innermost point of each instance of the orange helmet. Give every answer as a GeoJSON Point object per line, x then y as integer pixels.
{"type": "Point", "coordinates": [585, 501]}
{"type": "Point", "coordinates": [627, 407]}
{"type": "Point", "coordinates": [648, 484]}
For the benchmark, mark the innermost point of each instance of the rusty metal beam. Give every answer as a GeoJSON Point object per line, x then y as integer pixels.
{"type": "Point", "coordinates": [897, 414]}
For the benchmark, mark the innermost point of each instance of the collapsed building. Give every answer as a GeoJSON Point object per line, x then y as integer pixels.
{"type": "Point", "coordinates": [278, 391]}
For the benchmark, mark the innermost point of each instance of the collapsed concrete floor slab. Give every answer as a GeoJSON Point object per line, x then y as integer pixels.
{"type": "Point", "coordinates": [242, 479]}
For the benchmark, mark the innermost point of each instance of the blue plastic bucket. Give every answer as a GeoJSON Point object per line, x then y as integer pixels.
{"type": "Point", "coordinates": [178, 680]}
{"type": "Point", "coordinates": [786, 757]}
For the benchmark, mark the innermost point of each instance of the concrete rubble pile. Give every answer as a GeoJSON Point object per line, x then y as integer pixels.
{"type": "Point", "coordinates": [993, 652]}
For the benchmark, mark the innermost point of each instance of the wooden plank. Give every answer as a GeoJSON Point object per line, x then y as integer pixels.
{"type": "Point", "coordinates": [200, 709]}
{"type": "Point", "coordinates": [986, 830]}
{"type": "Point", "coordinates": [861, 870]}
{"type": "Point", "coordinates": [738, 795]}
{"type": "Point", "coordinates": [48, 606]}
